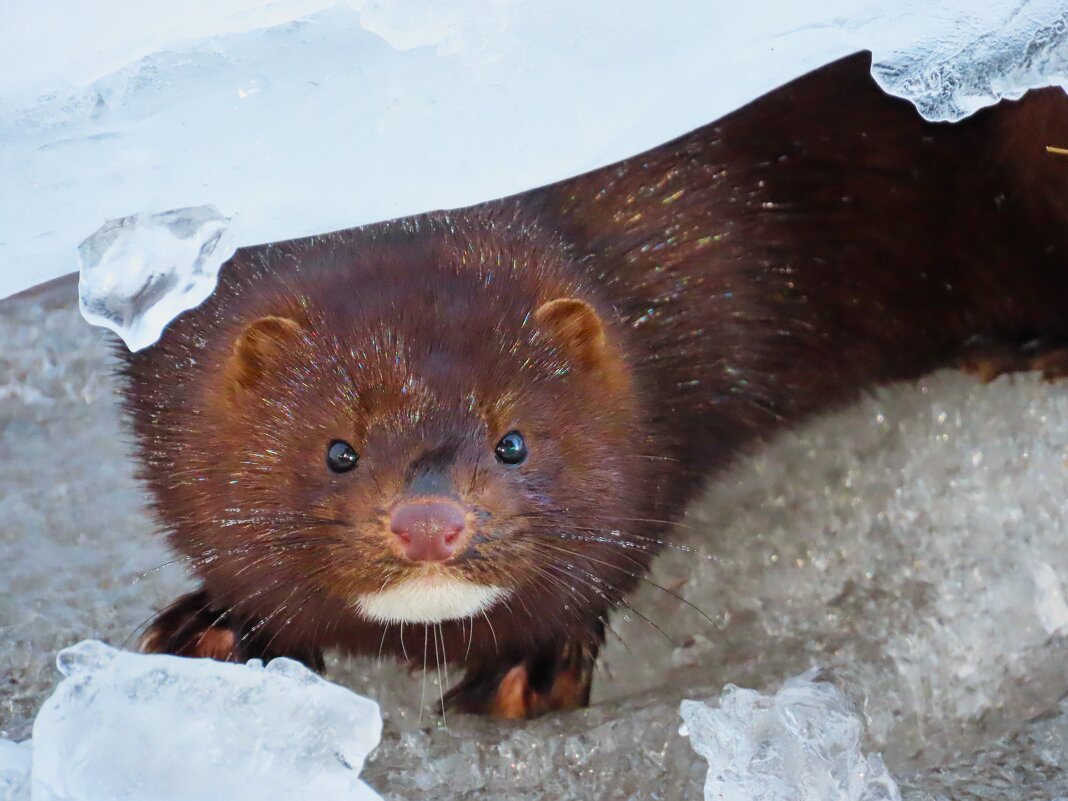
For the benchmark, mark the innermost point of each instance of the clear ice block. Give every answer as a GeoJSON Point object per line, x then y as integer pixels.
{"type": "Point", "coordinates": [801, 744]}
{"type": "Point", "coordinates": [133, 726]}
{"type": "Point", "coordinates": [140, 272]}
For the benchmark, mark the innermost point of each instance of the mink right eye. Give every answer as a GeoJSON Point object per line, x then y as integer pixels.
{"type": "Point", "coordinates": [512, 449]}
{"type": "Point", "coordinates": [341, 457]}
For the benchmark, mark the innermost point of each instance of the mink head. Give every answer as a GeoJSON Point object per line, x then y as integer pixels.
{"type": "Point", "coordinates": [407, 423]}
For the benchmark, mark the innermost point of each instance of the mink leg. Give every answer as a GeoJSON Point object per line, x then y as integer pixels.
{"type": "Point", "coordinates": [529, 685]}
{"type": "Point", "coordinates": [193, 626]}
{"type": "Point", "coordinates": [987, 357]}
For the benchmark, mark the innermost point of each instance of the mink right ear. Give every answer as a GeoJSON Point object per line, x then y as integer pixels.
{"type": "Point", "coordinates": [259, 349]}
{"type": "Point", "coordinates": [574, 324]}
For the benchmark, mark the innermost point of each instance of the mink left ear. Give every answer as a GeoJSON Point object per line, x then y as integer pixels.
{"type": "Point", "coordinates": [574, 324]}
{"type": "Point", "coordinates": [259, 348]}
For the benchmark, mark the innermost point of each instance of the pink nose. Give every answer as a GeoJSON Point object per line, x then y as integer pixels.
{"type": "Point", "coordinates": [429, 532]}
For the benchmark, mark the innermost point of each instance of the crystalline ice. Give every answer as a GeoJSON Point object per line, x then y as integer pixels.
{"type": "Point", "coordinates": [15, 759]}
{"type": "Point", "coordinates": [302, 116]}
{"type": "Point", "coordinates": [140, 272]}
{"type": "Point", "coordinates": [872, 543]}
{"type": "Point", "coordinates": [1031, 764]}
{"type": "Point", "coordinates": [951, 59]}
{"type": "Point", "coordinates": [1049, 598]}
{"type": "Point", "coordinates": [229, 731]}
{"type": "Point", "coordinates": [801, 744]}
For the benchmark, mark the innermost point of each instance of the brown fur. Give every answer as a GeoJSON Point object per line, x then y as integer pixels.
{"type": "Point", "coordinates": [701, 295]}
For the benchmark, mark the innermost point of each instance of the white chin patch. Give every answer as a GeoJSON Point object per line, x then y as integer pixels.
{"type": "Point", "coordinates": [428, 599]}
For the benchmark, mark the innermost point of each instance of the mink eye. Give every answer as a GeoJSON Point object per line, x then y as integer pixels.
{"type": "Point", "coordinates": [511, 449]}
{"type": "Point", "coordinates": [341, 457]}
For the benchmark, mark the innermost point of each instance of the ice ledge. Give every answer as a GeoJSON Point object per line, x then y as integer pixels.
{"type": "Point", "coordinates": [306, 116]}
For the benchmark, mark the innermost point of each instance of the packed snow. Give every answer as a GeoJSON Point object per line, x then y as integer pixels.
{"type": "Point", "coordinates": [124, 727]}
{"type": "Point", "coordinates": [296, 117]}
{"type": "Point", "coordinates": [138, 273]}
{"type": "Point", "coordinates": [801, 744]}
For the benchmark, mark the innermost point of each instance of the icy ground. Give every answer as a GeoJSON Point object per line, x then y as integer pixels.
{"type": "Point", "coordinates": [913, 544]}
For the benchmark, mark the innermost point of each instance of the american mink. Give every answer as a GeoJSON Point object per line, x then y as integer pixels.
{"type": "Point", "coordinates": [472, 430]}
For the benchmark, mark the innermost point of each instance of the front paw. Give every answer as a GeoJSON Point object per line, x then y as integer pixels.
{"type": "Point", "coordinates": [192, 626]}
{"type": "Point", "coordinates": [987, 357]}
{"type": "Point", "coordinates": [532, 685]}
{"type": "Point", "coordinates": [195, 626]}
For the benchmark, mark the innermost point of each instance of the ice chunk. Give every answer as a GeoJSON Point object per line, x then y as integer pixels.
{"type": "Point", "coordinates": [15, 770]}
{"type": "Point", "coordinates": [228, 731]}
{"type": "Point", "coordinates": [1049, 598]}
{"type": "Point", "coordinates": [140, 272]}
{"type": "Point", "coordinates": [954, 58]}
{"type": "Point", "coordinates": [801, 744]}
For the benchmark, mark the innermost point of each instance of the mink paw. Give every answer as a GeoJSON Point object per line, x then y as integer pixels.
{"type": "Point", "coordinates": [988, 358]}
{"type": "Point", "coordinates": [193, 626]}
{"type": "Point", "coordinates": [533, 685]}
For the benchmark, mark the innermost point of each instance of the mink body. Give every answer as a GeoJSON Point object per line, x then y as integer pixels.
{"type": "Point", "coordinates": [639, 325]}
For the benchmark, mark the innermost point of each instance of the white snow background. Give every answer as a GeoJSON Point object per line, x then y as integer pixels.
{"type": "Point", "coordinates": [299, 117]}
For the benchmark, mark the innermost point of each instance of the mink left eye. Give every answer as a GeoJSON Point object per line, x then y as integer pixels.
{"type": "Point", "coordinates": [512, 449]}
{"type": "Point", "coordinates": [341, 457]}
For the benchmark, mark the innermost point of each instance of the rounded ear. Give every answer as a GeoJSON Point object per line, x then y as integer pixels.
{"type": "Point", "coordinates": [259, 348]}
{"type": "Point", "coordinates": [574, 325]}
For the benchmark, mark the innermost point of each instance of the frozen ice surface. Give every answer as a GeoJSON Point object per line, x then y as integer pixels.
{"type": "Point", "coordinates": [302, 116]}
{"type": "Point", "coordinates": [138, 273]}
{"type": "Point", "coordinates": [228, 731]}
{"type": "Point", "coordinates": [15, 761]}
{"type": "Point", "coordinates": [914, 545]}
{"type": "Point", "coordinates": [1029, 765]}
{"type": "Point", "coordinates": [78, 558]}
{"type": "Point", "coordinates": [632, 750]}
{"type": "Point", "coordinates": [800, 744]}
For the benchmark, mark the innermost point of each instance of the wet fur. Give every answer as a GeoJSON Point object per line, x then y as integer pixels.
{"type": "Point", "coordinates": [771, 265]}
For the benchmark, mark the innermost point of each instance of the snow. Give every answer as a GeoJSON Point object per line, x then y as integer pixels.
{"type": "Point", "coordinates": [899, 544]}
{"type": "Point", "coordinates": [895, 544]}
{"type": "Point", "coordinates": [139, 273]}
{"type": "Point", "coordinates": [801, 744]}
{"type": "Point", "coordinates": [225, 731]}
{"type": "Point", "coordinates": [296, 117]}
